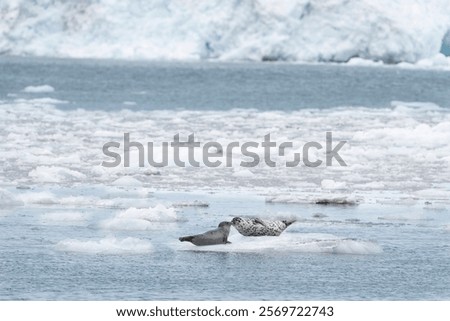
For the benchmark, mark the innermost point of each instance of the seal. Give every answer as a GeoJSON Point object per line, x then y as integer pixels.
{"type": "Point", "coordinates": [259, 227]}
{"type": "Point", "coordinates": [213, 237]}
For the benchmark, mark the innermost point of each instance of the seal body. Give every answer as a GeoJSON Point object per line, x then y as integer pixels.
{"type": "Point", "coordinates": [213, 237]}
{"type": "Point", "coordinates": [259, 227]}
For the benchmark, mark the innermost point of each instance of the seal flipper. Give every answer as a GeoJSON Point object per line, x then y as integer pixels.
{"type": "Point", "coordinates": [288, 222]}
{"type": "Point", "coordinates": [259, 221]}
{"type": "Point", "coordinates": [186, 239]}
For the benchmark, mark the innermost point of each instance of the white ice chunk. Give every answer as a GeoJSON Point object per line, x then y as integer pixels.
{"type": "Point", "coordinates": [39, 89]}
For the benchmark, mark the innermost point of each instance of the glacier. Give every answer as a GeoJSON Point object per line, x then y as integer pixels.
{"type": "Point", "coordinates": [391, 31]}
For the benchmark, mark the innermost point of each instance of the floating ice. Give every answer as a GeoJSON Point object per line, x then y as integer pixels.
{"type": "Point", "coordinates": [42, 101]}
{"type": "Point", "coordinates": [356, 61]}
{"type": "Point", "coordinates": [438, 61]}
{"type": "Point", "coordinates": [159, 213]}
{"type": "Point", "coordinates": [127, 181]}
{"type": "Point", "coordinates": [8, 199]}
{"type": "Point", "coordinates": [43, 197]}
{"type": "Point", "coordinates": [39, 89]}
{"type": "Point", "coordinates": [331, 184]}
{"type": "Point", "coordinates": [244, 173]}
{"type": "Point", "coordinates": [129, 245]}
{"type": "Point", "coordinates": [141, 219]}
{"type": "Point", "coordinates": [322, 199]}
{"type": "Point", "coordinates": [127, 224]}
{"type": "Point", "coordinates": [292, 242]}
{"type": "Point", "coordinates": [55, 174]}
{"type": "Point", "coordinates": [397, 154]}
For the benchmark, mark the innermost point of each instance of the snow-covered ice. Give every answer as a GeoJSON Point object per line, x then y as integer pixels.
{"type": "Point", "coordinates": [291, 242]}
{"type": "Point", "coordinates": [294, 30]}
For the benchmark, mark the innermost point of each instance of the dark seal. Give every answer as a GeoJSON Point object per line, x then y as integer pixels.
{"type": "Point", "coordinates": [213, 237]}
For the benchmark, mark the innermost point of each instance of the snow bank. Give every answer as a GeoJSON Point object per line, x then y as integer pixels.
{"type": "Point", "coordinates": [262, 30]}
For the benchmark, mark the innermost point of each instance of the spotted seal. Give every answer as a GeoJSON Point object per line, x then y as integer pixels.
{"type": "Point", "coordinates": [217, 236]}
{"type": "Point", "coordinates": [260, 227]}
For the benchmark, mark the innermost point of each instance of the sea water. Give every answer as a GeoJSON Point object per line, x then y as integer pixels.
{"type": "Point", "coordinates": [72, 229]}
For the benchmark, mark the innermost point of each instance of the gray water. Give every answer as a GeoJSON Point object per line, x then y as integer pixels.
{"type": "Point", "coordinates": [107, 84]}
{"type": "Point", "coordinates": [414, 260]}
{"type": "Point", "coordinates": [413, 265]}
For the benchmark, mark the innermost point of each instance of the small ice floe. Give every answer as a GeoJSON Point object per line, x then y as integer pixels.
{"type": "Point", "coordinates": [438, 61]}
{"type": "Point", "coordinates": [129, 103]}
{"type": "Point", "coordinates": [330, 184]}
{"type": "Point", "coordinates": [332, 199]}
{"type": "Point", "coordinates": [43, 101]}
{"type": "Point", "coordinates": [123, 202]}
{"type": "Point", "coordinates": [294, 242]}
{"type": "Point", "coordinates": [141, 219]}
{"type": "Point", "coordinates": [195, 203]}
{"type": "Point", "coordinates": [8, 199]}
{"type": "Point", "coordinates": [243, 173]}
{"type": "Point", "coordinates": [356, 61]}
{"type": "Point", "coordinates": [370, 186]}
{"type": "Point", "coordinates": [285, 198]}
{"type": "Point", "coordinates": [39, 89]}
{"type": "Point", "coordinates": [127, 181]}
{"type": "Point", "coordinates": [55, 174]}
{"type": "Point", "coordinates": [43, 197]}
{"type": "Point", "coordinates": [112, 245]}
{"type": "Point", "coordinates": [159, 213]}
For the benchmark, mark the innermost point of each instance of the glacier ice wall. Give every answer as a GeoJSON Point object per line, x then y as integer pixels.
{"type": "Point", "coordinates": [294, 30]}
